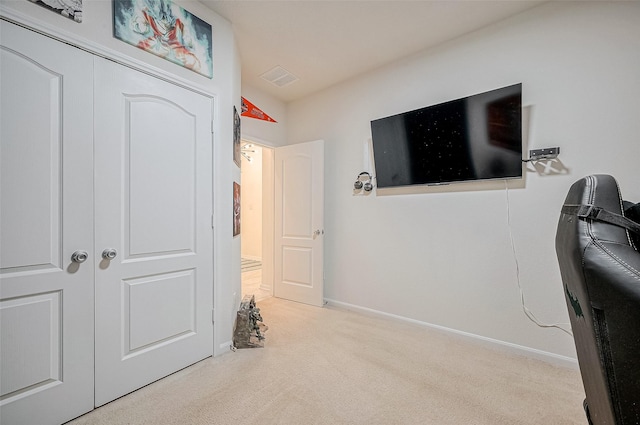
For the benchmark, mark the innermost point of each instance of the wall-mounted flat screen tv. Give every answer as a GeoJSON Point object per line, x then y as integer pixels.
{"type": "Point", "coordinates": [473, 138]}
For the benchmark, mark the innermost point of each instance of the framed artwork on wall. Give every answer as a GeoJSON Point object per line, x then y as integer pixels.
{"type": "Point", "coordinates": [166, 30]}
{"type": "Point", "coordinates": [236, 138]}
{"type": "Point", "coordinates": [236, 209]}
{"type": "Point", "coordinates": [71, 9]}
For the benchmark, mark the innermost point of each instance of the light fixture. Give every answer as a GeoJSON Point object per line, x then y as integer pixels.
{"type": "Point", "coordinates": [245, 150]}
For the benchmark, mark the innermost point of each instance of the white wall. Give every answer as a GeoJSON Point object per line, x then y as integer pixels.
{"type": "Point", "coordinates": [228, 290]}
{"type": "Point", "coordinates": [444, 256]}
{"type": "Point", "coordinates": [251, 213]}
{"type": "Point", "coordinates": [95, 33]}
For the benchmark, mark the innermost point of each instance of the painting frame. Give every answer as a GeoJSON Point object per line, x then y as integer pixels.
{"type": "Point", "coordinates": [68, 9]}
{"type": "Point", "coordinates": [166, 30]}
{"type": "Point", "coordinates": [236, 209]}
{"type": "Point", "coordinates": [237, 149]}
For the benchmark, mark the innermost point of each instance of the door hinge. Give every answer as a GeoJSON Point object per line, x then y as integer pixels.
{"type": "Point", "coordinates": [211, 126]}
{"type": "Point", "coordinates": [212, 221]}
{"type": "Point", "coordinates": [213, 316]}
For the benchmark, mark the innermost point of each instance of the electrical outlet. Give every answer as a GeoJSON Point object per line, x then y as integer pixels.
{"type": "Point", "coordinates": [546, 153]}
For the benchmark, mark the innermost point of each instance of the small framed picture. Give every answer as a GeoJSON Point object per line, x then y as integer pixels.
{"type": "Point", "coordinates": [236, 209]}
{"type": "Point", "coordinates": [236, 138]}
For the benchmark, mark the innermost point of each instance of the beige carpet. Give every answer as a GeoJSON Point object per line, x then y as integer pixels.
{"type": "Point", "coordinates": [331, 366]}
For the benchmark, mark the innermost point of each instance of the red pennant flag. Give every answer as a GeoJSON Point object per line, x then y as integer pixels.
{"type": "Point", "coordinates": [252, 111]}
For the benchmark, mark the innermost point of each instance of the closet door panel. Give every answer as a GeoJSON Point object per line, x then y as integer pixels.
{"type": "Point", "coordinates": [31, 162]}
{"type": "Point", "coordinates": [154, 298]}
{"type": "Point", "coordinates": [159, 193]}
{"type": "Point", "coordinates": [46, 214]}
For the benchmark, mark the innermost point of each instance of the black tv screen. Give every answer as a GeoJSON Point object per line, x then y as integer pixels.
{"type": "Point", "coordinates": [473, 138]}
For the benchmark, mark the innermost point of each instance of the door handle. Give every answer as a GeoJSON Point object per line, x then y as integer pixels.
{"type": "Point", "coordinates": [317, 233]}
{"type": "Point", "coordinates": [79, 256]}
{"type": "Point", "coordinates": [109, 254]}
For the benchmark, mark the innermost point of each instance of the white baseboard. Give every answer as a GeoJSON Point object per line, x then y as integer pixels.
{"type": "Point", "coordinates": [534, 353]}
{"type": "Point", "coordinates": [266, 288]}
{"type": "Point", "coordinates": [223, 348]}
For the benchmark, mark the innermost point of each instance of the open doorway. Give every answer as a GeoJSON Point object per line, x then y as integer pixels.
{"type": "Point", "coordinates": [257, 208]}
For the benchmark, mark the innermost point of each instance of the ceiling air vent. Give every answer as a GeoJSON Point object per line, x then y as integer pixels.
{"type": "Point", "coordinates": [279, 76]}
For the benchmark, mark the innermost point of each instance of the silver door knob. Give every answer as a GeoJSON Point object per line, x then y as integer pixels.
{"type": "Point", "coordinates": [109, 254]}
{"type": "Point", "coordinates": [79, 256]}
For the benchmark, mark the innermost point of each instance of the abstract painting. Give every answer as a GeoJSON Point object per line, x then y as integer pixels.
{"type": "Point", "coordinates": [236, 209]}
{"type": "Point", "coordinates": [166, 30]}
{"type": "Point", "coordinates": [71, 9]}
{"type": "Point", "coordinates": [236, 137]}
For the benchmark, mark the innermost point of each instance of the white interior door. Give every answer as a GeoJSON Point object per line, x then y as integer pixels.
{"type": "Point", "coordinates": [299, 222]}
{"type": "Point", "coordinates": [154, 299]}
{"type": "Point", "coordinates": [46, 213]}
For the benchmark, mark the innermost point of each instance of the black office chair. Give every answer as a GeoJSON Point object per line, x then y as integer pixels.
{"type": "Point", "coordinates": [596, 245]}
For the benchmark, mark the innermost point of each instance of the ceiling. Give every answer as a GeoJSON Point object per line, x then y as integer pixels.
{"type": "Point", "coordinates": [324, 42]}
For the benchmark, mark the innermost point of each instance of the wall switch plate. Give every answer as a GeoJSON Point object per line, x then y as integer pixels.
{"type": "Point", "coordinates": [546, 153]}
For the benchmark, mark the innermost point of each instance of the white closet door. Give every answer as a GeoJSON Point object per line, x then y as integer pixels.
{"type": "Point", "coordinates": [154, 299]}
{"type": "Point", "coordinates": [46, 213]}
